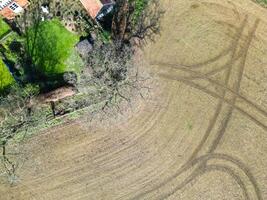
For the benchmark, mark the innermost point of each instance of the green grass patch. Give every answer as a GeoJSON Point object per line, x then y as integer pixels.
{"type": "Point", "coordinates": [140, 5]}
{"type": "Point", "coordinates": [105, 36]}
{"type": "Point", "coordinates": [6, 78]}
{"type": "Point", "coordinates": [51, 47]}
{"type": "Point", "coordinates": [263, 2]}
{"type": "Point", "coordinates": [4, 28]}
{"type": "Point", "coordinates": [189, 125]}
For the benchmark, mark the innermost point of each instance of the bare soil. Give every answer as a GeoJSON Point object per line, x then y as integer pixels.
{"type": "Point", "coordinates": [201, 134]}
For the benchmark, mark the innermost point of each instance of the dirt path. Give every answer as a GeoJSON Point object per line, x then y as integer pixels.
{"type": "Point", "coordinates": [202, 135]}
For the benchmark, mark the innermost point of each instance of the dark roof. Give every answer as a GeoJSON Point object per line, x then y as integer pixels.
{"type": "Point", "coordinates": [104, 2]}
{"type": "Point", "coordinates": [93, 7]}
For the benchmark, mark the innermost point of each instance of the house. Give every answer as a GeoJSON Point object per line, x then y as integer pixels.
{"type": "Point", "coordinates": [97, 9]}
{"type": "Point", "coordinates": [10, 8]}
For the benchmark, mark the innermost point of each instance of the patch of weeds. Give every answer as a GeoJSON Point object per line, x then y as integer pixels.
{"type": "Point", "coordinates": [140, 6]}
{"type": "Point", "coordinates": [262, 2]}
{"type": "Point", "coordinates": [194, 6]}
{"type": "Point", "coordinates": [189, 125]}
{"type": "Point", "coordinates": [105, 36]}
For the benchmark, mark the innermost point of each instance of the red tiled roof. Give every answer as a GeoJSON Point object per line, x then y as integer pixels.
{"type": "Point", "coordinates": [8, 13]}
{"type": "Point", "coordinates": [92, 7]}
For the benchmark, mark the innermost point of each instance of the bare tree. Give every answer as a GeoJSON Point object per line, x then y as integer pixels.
{"type": "Point", "coordinates": [16, 116]}
{"type": "Point", "coordinates": [134, 21]}
{"type": "Point", "coordinates": [111, 75]}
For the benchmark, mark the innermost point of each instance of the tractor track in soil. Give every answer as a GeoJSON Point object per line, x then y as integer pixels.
{"type": "Point", "coordinates": [203, 167]}
{"type": "Point", "coordinates": [142, 160]}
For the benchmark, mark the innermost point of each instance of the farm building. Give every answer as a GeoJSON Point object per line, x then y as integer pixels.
{"type": "Point", "coordinates": [97, 9]}
{"type": "Point", "coordinates": [10, 8]}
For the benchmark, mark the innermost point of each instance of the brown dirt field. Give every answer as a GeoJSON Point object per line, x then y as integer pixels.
{"type": "Point", "coordinates": [201, 135]}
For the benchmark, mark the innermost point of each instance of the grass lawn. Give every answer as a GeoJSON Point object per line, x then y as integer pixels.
{"type": "Point", "coordinates": [3, 28]}
{"type": "Point", "coordinates": [6, 78]}
{"type": "Point", "coordinates": [52, 48]}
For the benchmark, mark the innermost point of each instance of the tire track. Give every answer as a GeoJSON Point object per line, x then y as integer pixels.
{"type": "Point", "coordinates": [203, 171]}
{"type": "Point", "coordinates": [226, 120]}
{"type": "Point", "coordinates": [204, 63]}
{"type": "Point", "coordinates": [205, 77]}
{"type": "Point", "coordinates": [236, 89]}
{"type": "Point", "coordinates": [212, 121]}
{"type": "Point", "coordinates": [232, 48]}
{"type": "Point", "coordinates": [150, 122]}
{"type": "Point", "coordinates": [197, 74]}
{"type": "Point", "coordinates": [220, 104]}
{"type": "Point", "coordinates": [132, 142]}
{"type": "Point", "coordinates": [215, 95]}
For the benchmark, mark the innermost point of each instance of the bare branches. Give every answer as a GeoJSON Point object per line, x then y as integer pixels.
{"type": "Point", "coordinates": [111, 75]}
{"type": "Point", "coordinates": [132, 21]}
{"type": "Point", "coordinates": [9, 166]}
{"type": "Point", "coordinates": [14, 112]}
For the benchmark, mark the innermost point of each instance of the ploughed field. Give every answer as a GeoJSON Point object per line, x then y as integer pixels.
{"type": "Point", "coordinates": [202, 133]}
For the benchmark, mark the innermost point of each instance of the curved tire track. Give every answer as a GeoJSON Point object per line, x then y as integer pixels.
{"type": "Point", "coordinates": [228, 115]}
